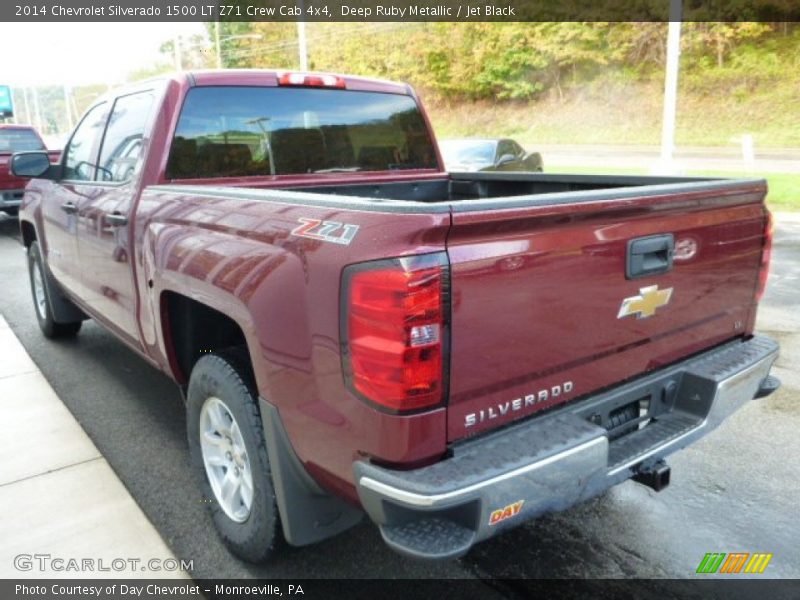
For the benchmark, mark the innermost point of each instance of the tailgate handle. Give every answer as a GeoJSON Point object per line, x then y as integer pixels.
{"type": "Point", "coordinates": [650, 255]}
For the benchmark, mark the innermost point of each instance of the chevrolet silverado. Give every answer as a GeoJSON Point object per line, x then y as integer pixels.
{"type": "Point", "coordinates": [357, 331]}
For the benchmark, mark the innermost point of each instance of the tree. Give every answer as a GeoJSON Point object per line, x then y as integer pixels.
{"type": "Point", "coordinates": [256, 45]}
{"type": "Point", "coordinates": [719, 38]}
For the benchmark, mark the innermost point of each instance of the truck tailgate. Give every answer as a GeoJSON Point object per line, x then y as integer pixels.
{"type": "Point", "coordinates": [544, 312]}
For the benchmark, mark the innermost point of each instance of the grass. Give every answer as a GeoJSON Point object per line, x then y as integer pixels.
{"type": "Point", "coordinates": [614, 112]}
{"type": "Point", "coordinates": [783, 194]}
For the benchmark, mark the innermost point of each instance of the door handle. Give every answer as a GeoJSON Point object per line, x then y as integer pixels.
{"type": "Point", "coordinates": [116, 219]}
{"type": "Point", "coordinates": [69, 207]}
{"type": "Point", "coordinates": [649, 255]}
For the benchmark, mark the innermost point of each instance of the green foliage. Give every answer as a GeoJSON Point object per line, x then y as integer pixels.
{"type": "Point", "coordinates": [561, 82]}
{"type": "Point", "coordinates": [503, 62]}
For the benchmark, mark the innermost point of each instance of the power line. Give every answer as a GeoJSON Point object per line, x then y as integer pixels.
{"type": "Point", "coordinates": [279, 46]}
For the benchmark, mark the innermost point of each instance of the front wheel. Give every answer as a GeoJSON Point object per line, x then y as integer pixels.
{"type": "Point", "coordinates": [228, 451]}
{"type": "Point", "coordinates": [41, 298]}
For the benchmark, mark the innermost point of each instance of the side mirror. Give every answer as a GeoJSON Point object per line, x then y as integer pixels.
{"type": "Point", "coordinates": [505, 159]}
{"type": "Point", "coordinates": [30, 164]}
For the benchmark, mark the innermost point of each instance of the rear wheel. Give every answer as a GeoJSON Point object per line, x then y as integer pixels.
{"type": "Point", "coordinates": [41, 298]}
{"type": "Point", "coordinates": [228, 450]}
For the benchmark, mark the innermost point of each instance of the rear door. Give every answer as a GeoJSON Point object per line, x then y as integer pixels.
{"type": "Point", "coordinates": [61, 200]}
{"type": "Point", "coordinates": [103, 237]}
{"type": "Point", "coordinates": [544, 310]}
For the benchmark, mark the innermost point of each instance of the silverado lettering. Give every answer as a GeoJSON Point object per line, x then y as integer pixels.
{"type": "Point", "coordinates": [412, 370]}
{"type": "Point", "coordinates": [529, 400]}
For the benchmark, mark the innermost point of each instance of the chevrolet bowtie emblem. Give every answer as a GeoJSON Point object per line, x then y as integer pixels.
{"type": "Point", "coordinates": [645, 303]}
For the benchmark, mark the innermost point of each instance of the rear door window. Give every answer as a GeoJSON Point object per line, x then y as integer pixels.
{"type": "Point", "coordinates": [122, 143]}
{"type": "Point", "coordinates": [247, 131]}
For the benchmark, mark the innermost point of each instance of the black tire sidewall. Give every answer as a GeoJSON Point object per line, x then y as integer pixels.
{"type": "Point", "coordinates": [219, 376]}
{"type": "Point", "coordinates": [46, 323]}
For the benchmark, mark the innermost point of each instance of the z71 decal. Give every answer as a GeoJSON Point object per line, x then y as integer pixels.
{"type": "Point", "coordinates": [326, 231]}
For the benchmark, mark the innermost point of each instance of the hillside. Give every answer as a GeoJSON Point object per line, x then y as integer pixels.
{"type": "Point", "coordinates": [614, 112]}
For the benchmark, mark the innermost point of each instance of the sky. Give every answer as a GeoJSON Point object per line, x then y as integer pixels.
{"type": "Point", "coordinates": [82, 53]}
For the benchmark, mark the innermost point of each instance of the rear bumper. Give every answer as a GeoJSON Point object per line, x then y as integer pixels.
{"type": "Point", "coordinates": [554, 461]}
{"type": "Point", "coordinates": [10, 198]}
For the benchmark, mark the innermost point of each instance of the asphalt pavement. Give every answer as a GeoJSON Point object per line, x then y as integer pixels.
{"type": "Point", "coordinates": [735, 491]}
{"type": "Point", "coordinates": [686, 159]}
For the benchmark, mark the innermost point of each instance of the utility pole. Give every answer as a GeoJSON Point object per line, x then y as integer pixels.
{"type": "Point", "coordinates": [75, 107]}
{"type": "Point", "coordinates": [68, 107]}
{"type": "Point", "coordinates": [671, 86]}
{"type": "Point", "coordinates": [28, 119]}
{"type": "Point", "coordinates": [217, 44]}
{"type": "Point", "coordinates": [36, 109]}
{"type": "Point", "coordinates": [176, 43]}
{"type": "Point", "coordinates": [301, 45]}
{"type": "Point", "coordinates": [301, 38]}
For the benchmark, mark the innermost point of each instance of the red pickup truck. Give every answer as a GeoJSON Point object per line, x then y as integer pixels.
{"type": "Point", "coordinates": [16, 138]}
{"type": "Point", "coordinates": [358, 331]}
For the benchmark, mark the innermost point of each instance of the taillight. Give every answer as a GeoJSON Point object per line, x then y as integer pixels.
{"type": "Point", "coordinates": [766, 255]}
{"type": "Point", "coordinates": [311, 80]}
{"type": "Point", "coordinates": [394, 331]}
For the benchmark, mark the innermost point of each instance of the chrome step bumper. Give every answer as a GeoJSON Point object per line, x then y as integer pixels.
{"type": "Point", "coordinates": [554, 461]}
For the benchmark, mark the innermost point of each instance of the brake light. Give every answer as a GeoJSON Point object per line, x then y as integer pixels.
{"type": "Point", "coordinates": [311, 80]}
{"type": "Point", "coordinates": [766, 256]}
{"type": "Point", "coordinates": [395, 331]}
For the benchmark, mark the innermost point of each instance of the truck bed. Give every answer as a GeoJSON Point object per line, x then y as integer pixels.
{"type": "Point", "coordinates": [462, 191]}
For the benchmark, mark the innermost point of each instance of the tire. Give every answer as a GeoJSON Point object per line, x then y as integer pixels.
{"type": "Point", "coordinates": [223, 382]}
{"type": "Point", "coordinates": [42, 305]}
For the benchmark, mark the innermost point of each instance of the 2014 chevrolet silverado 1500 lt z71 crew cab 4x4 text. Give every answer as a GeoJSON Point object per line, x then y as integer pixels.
{"type": "Point", "coordinates": [358, 331]}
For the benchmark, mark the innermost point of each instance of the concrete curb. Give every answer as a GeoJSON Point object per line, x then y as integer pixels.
{"type": "Point", "coordinates": [61, 500]}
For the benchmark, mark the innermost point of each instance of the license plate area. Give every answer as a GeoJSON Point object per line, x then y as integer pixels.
{"type": "Point", "coordinates": [628, 412]}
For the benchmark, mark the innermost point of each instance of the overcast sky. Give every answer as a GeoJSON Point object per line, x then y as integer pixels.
{"type": "Point", "coordinates": [81, 53]}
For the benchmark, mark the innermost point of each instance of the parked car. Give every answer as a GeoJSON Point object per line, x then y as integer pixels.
{"type": "Point", "coordinates": [488, 155]}
{"type": "Point", "coordinates": [326, 297]}
{"type": "Point", "coordinates": [16, 138]}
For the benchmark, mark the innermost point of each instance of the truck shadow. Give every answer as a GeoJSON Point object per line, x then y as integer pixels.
{"type": "Point", "coordinates": [9, 227]}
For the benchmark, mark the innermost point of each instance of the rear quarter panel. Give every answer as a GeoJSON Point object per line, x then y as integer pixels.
{"type": "Point", "coordinates": [240, 257]}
